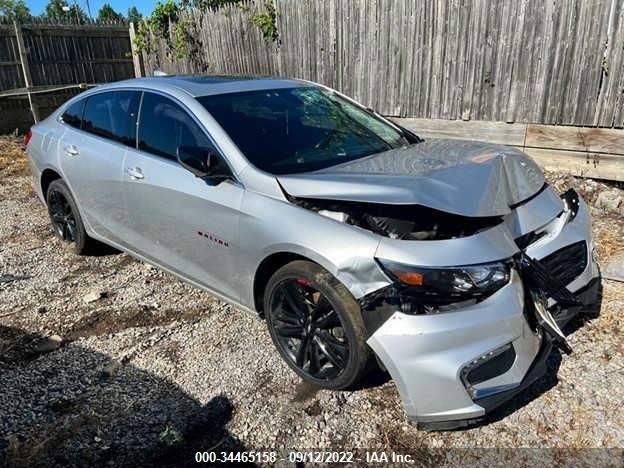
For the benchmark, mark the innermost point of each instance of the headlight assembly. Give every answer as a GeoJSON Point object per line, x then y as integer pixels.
{"type": "Point", "coordinates": [442, 286]}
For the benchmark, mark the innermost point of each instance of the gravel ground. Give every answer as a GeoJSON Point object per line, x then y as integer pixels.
{"type": "Point", "coordinates": [108, 360]}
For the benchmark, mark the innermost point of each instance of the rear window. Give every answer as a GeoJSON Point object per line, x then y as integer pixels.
{"type": "Point", "coordinates": [73, 114]}
{"type": "Point", "coordinates": [113, 115]}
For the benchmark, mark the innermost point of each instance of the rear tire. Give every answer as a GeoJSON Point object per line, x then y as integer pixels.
{"type": "Point", "coordinates": [66, 220]}
{"type": "Point", "coordinates": [316, 325]}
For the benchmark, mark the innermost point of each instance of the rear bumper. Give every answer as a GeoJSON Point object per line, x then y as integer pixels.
{"type": "Point", "coordinates": [428, 355]}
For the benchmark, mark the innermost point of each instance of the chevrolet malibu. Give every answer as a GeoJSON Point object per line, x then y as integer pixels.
{"type": "Point", "coordinates": [450, 264]}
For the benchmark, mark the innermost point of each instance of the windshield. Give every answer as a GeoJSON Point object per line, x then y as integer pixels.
{"type": "Point", "coordinates": [285, 131]}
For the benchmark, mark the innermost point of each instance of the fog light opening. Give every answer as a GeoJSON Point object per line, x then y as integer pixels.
{"type": "Point", "coordinates": [486, 367]}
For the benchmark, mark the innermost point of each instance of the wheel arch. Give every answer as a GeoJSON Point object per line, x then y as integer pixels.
{"type": "Point", "coordinates": [47, 177]}
{"type": "Point", "coordinates": [267, 267]}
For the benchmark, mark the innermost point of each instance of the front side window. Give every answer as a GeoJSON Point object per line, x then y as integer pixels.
{"type": "Point", "coordinates": [73, 114]}
{"type": "Point", "coordinates": [165, 126]}
{"type": "Point", "coordinates": [284, 131]}
{"type": "Point", "coordinates": [113, 115]}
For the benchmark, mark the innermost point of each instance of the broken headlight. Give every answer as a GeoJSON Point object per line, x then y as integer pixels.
{"type": "Point", "coordinates": [443, 286]}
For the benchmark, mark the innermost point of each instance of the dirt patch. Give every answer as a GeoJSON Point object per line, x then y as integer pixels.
{"type": "Point", "coordinates": [313, 409]}
{"type": "Point", "coordinates": [109, 321]}
{"type": "Point", "coordinates": [305, 391]}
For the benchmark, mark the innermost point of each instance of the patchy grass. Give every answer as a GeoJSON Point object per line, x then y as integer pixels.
{"type": "Point", "coordinates": [608, 236]}
{"type": "Point", "coordinates": [13, 159]}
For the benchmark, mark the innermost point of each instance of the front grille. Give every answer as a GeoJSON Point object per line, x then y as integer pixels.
{"type": "Point", "coordinates": [567, 263]}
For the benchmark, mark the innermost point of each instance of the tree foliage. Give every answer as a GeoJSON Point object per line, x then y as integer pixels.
{"type": "Point", "coordinates": [157, 25]}
{"type": "Point", "coordinates": [14, 9]}
{"type": "Point", "coordinates": [133, 15]}
{"type": "Point", "coordinates": [54, 10]}
{"type": "Point", "coordinates": [168, 23]}
{"type": "Point", "coordinates": [213, 4]}
{"type": "Point", "coordinates": [108, 14]}
{"type": "Point", "coordinates": [266, 22]}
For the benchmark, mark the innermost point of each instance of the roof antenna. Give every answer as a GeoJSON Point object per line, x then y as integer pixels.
{"type": "Point", "coordinates": [159, 72]}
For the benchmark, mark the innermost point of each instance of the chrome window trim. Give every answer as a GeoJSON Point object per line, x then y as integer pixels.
{"type": "Point", "coordinates": [194, 118]}
{"type": "Point", "coordinates": [59, 119]}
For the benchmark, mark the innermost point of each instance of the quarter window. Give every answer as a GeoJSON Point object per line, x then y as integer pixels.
{"type": "Point", "coordinates": [113, 115]}
{"type": "Point", "coordinates": [73, 114]}
{"type": "Point", "coordinates": [165, 125]}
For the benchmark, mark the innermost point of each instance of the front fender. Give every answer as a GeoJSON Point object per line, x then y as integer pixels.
{"type": "Point", "coordinates": [270, 226]}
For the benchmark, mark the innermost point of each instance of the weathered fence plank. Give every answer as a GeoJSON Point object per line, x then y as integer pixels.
{"type": "Point", "coordinates": [21, 48]}
{"type": "Point", "coordinates": [494, 132]}
{"type": "Point", "coordinates": [581, 151]}
{"type": "Point", "coordinates": [594, 140]}
{"type": "Point", "coordinates": [59, 54]}
{"type": "Point", "coordinates": [41, 64]}
{"type": "Point", "coordinates": [557, 62]}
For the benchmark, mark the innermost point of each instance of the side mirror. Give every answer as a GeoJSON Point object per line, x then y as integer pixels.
{"type": "Point", "coordinates": [196, 159]}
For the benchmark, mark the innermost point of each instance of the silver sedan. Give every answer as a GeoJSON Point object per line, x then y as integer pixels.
{"type": "Point", "coordinates": [450, 264]}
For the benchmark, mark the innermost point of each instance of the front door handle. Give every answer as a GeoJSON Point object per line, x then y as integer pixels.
{"type": "Point", "coordinates": [71, 150]}
{"type": "Point", "coordinates": [135, 173]}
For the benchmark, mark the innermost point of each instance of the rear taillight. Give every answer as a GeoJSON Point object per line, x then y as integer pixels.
{"type": "Point", "coordinates": [27, 137]}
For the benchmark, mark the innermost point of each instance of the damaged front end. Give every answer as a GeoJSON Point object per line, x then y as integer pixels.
{"type": "Point", "coordinates": [403, 222]}
{"type": "Point", "coordinates": [461, 340]}
{"type": "Point", "coordinates": [484, 261]}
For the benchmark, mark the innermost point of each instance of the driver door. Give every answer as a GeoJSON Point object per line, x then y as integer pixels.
{"type": "Point", "coordinates": [175, 219]}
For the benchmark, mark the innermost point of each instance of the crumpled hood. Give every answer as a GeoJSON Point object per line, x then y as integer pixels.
{"type": "Point", "coordinates": [462, 177]}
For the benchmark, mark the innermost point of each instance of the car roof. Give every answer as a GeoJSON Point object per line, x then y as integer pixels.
{"type": "Point", "coordinates": [206, 85]}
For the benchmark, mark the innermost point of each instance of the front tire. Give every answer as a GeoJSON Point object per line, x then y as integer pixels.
{"type": "Point", "coordinates": [65, 218]}
{"type": "Point", "coordinates": [316, 325]}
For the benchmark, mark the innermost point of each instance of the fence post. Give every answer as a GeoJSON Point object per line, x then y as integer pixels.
{"type": "Point", "coordinates": [137, 57]}
{"type": "Point", "coordinates": [25, 70]}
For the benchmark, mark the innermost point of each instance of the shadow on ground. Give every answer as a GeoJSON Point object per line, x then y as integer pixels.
{"type": "Point", "coordinates": [73, 406]}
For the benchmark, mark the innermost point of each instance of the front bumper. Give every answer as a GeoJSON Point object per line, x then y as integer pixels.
{"type": "Point", "coordinates": [425, 354]}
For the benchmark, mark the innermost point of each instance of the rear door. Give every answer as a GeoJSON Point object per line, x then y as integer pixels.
{"type": "Point", "coordinates": [91, 154]}
{"type": "Point", "coordinates": [176, 219]}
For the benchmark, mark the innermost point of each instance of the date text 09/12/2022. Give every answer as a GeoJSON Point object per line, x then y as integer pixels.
{"type": "Point", "coordinates": [296, 456]}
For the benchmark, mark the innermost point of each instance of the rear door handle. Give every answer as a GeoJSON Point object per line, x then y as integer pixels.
{"type": "Point", "coordinates": [71, 150]}
{"type": "Point", "coordinates": [135, 173]}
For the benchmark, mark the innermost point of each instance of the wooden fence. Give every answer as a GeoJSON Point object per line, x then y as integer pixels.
{"type": "Point", "coordinates": [60, 54]}
{"type": "Point", "coordinates": [555, 62]}
{"type": "Point", "coordinates": [41, 64]}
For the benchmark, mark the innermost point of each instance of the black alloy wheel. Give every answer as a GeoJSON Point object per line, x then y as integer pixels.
{"type": "Point", "coordinates": [66, 220]}
{"type": "Point", "coordinates": [316, 325]}
{"type": "Point", "coordinates": [309, 329]}
{"type": "Point", "coordinates": [62, 216]}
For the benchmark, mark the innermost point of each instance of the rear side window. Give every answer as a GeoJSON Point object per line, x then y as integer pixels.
{"type": "Point", "coordinates": [165, 125]}
{"type": "Point", "coordinates": [113, 115]}
{"type": "Point", "coordinates": [73, 114]}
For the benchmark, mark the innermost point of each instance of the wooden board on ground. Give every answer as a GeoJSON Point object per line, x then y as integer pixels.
{"type": "Point", "coordinates": [493, 132]}
{"type": "Point", "coordinates": [582, 151]}
{"type": "Point", "coordinates": [596, 140]}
